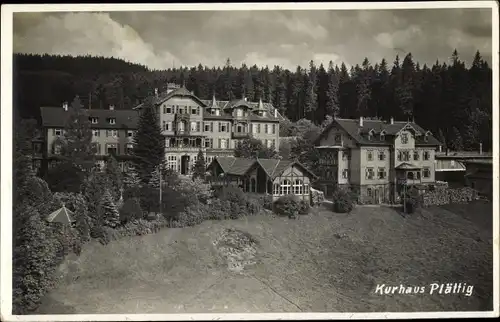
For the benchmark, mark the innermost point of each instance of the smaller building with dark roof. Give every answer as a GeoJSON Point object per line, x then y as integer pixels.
{"type": "Point", "coordinates": [276, 177]}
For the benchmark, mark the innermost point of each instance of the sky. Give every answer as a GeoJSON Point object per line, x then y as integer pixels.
{"type": "Point", "coordinates": [162, 39]}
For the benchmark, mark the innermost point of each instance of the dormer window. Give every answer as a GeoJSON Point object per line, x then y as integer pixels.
{"type": "Point", "coordinates": [426, 136]}
{"type": "Point", "coordinates": [93, 120]}
{"type": "Point", "coordinates": [382, 136]}
{"type": "Point", "coordinates": [112, 121]}
{"type": "Point", "coordinates": [217, 112]}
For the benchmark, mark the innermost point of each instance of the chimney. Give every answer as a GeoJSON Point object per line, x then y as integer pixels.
{"type": "Point", "coordinates": [245, 99]}
{"type": "Point", "coordinates": [111, 107]}
{"type": "Point", "coordinates": [65, 106]}
{"type": "Point", "coordinates": [360, 121]}
{"type": "Point", "coordinates": [276, 113]}
{"type": "Point", "coordinates": [440, 148]}
{"type": "Point", "coordinates": [156, 92]}
{"type": "Point", "coordinates": [480, 148]}
{"type": "Point", "coordinates": [447, 151]}
{"type": "Point", "coordinates": [392, 120]}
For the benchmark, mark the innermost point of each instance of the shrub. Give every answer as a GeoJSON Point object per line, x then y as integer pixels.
{"type": "Point", "coordinates": [343, 200]}
{"type": "Point", "coordinates": [131, 210]}
{"type": "Point", "coordinates": [288, 205]}
{"type": "Point", "coordinates": [37, 253]}
{"type": "Point", "coordinates": [304, 207]}
{"type": "Point", "coordinates": [218, 209]}
{"type": "Point", "coordinates": [412, 201]}
{"type": "Point", "coordinates": [193, 215]}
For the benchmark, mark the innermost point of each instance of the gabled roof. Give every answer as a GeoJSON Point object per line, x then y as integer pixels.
{"type": "Point", "coordinates": [57, 117]}
{"type": "Point", "coordinates": [275, 167]}
{"type": "Point", "coordinates": [181, 91]}
{"type": "Point", "coordinates": [360, 134]}
{"type": "Point", "coordinates": [233, 165]}
{"type": "Point", "coordinates": [62, 215]}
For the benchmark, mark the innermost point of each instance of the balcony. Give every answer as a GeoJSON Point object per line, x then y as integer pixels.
{"type": "Point", "coordinates": [240, 135]}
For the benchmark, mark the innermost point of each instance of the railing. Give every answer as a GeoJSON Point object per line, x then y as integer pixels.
{"type": "Point", "coordinates": [241, 135]}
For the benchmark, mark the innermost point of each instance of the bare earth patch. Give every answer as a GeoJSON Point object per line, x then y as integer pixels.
{"type": "Point", "coordinates": [324, 262]}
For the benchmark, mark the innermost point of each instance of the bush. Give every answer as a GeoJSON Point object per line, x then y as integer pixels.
{"type": "Point", "coordinates": [343, 200]}
{"type": "Point", "coordinates": [288, 205]}
{"type": "Point", "coordinates": [412, 201]}
{"type": "Point", "coordinates": [37, 253]}
{"type": "Point", "coordinates": [130, 210]}
{"type": "Point", "coordinates": [193, 215]}
{"type": "Point", "coordinates": [218, 209]}
{"type": "Point", "coordinates": [304, 207]}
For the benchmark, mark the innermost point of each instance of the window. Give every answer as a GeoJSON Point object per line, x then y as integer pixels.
{"type": "Point", "coordinates": [369, 192]}
{"type": "Point", "coordinates": [410, 175]}
{"type": "Point", "coordinates": [223, 143]}
{"type": "Point", "coordinates": [400, 156]}
{"type": "Point", "coordinates": [254, 128]}
{"type": "Point", "coordinates": [369, 155]}
{"type": "Point", "coordinates": [276, 189]}
{"type": "Point", "coordinates": [416, 155]}
{"type": "Point", "coordinates": [208, 143]}
{"type": "Point", "coordinates": [345, 155]}
{"type": "Point", "coordinates": [370, 136]}
{"type": "Point", "coordinates": [452, 163]}
{"type": "Point", "coordinates": [129, 148]}
{"type": "Point", "coordinates": [285, 187]}
{"type": "Point", "coordinates": [418, 175]}
{"type": "Point", "coordinates": [93, 120]}
{"type": "Point", "coordinates": [113, 133]}
{"type": "Point", "coordinates": [345, 174]}
{"type": "Point", "coordinates": [193, 126]}
{"type": "Point", "coordinates": [239, 112]}
{"type": "Point", "coordinates": [182, 126]}
{"type": "Point", "coordinates": [426, 173]}
{"type": "Point", "coordinates": [239, 128]}
{"type": "Point", "coordinates": [381, 155]}
{"type": "Point", "coordinates": [57, 132]}
{"type": "Point", "coordinates": [167, 110]}
{"type": "Point", "coordinates": [172, 162]}
{"type": "Point", "coordinates": [274, 128]}
{"type": "Point", "coordinates": [297, 187]}
{"type": "Point", "coordinates": [223, 127]}
{"type": "Point", "coordinates": [258, 128]}
{"type": "Point", "coordinates": [405, 156]}
{"type": "Point", "coordinates": [369, 173]}
{"type": "Point", "coordinates": [130, 134]}
{"type": "Point", "coordinates": [206, 127]}
{"type": "Point", "coordinates": [95, 132]}
{"type": "Point", "coordinates": [338, 138]}
{"type": "Point", "coordinates": [404, 138]}
{"type": "Point", "coordinates": [427, 155]}
{"type": "Point", "coordinates": [194, 110]}
{"type": "Point", "coordinates": [381, 173]}
{"type": "Point", "coordinates": [111, 149]}
{"type": "Point", "coordinates": [426, 137]}
{"type": "Point", "coordinates": [382, 137]}
{"type": "Point", "coordinates": [112, 121]}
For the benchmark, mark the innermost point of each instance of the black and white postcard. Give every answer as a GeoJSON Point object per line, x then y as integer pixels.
{"type": "Point", "coordinates": [249, 161]}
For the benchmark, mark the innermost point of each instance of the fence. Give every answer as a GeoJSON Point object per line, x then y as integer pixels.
{"type": "Point", "coordinates": [445, 196]}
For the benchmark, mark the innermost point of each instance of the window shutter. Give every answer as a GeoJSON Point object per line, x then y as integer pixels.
{"type": "Point", "coordinates": [54, 132]}
{"type": "Point", "coordinates": [211, 126]}
{"type": "Point", "coordinates": [220, 143]}
{"type": "Point", "coordinates": [197, 126]}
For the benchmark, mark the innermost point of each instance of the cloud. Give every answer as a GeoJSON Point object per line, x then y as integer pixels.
{"type": "Point", "coordinates": [159, 39]}
{"type": "Point", "coordinates": [88, 33]}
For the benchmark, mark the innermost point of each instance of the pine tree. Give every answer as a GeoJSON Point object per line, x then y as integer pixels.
{"type": "Point", "coordinates": [155, 180]}
{"type": "Point", "coordinates": [76, 145]}
{"type": "Point", "coordinates": [149, 143]}
{"type": "Point", "coordinates": [110, 214]}
{"type": "Point", "coordinates": [332, 103]}
{"type": "Point", "coordinates": [114, 176]}
{"type": "Point", "coordinates": [310, 97]}
{"type": "Point", "coordinates": [131, 178]}
{"type": "Point", "coordinates": [200, 166]}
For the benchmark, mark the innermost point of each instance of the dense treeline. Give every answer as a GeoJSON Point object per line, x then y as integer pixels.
{"type": "Point", "coordinates": [448, 98]}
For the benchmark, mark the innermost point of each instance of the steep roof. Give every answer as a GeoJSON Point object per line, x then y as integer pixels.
{"type": "Point", "coordinates": [57, 117]}
{"type": "Point", "coordinates": [233, 165]}
{"type": "Point", "coordinates": [360, 133]}
{"type": "Point", "coordinates": [275, 167]}
{"type": "Point", "coordinates": [226, 107]}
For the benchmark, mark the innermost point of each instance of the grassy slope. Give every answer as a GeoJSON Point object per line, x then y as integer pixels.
{"type": "Point", "coordinates": [301, 266]}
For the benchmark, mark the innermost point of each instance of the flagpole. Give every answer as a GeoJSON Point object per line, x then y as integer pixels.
{"type": "Point", "coordinates": [161, 210]}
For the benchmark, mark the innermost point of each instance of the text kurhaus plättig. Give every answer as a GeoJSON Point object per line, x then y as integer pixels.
{"type": "Point", "coordinates": [434, 288]}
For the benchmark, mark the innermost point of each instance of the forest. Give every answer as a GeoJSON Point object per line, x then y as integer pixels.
{"type": "Point", "coordinates": [449, 98]}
